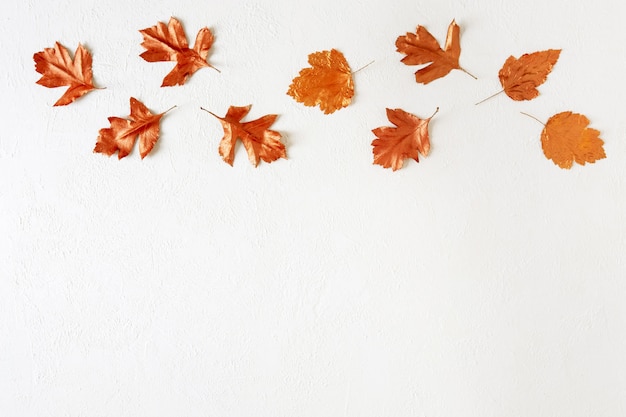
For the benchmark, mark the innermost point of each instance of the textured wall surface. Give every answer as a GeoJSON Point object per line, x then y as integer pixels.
{"type": "Point", "coordinates": [483, 281]}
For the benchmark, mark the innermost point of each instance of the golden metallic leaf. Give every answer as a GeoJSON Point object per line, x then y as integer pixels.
{"type": "Point", "coordinates": [408, 139]}
{"type": "Point", "coordinates": [58, 69]}
{"type": "Point", "coordinates": [521, 77]}
{"type": "Point", "coordinates": [169, 43]}
{"type": "Point", "coordinates": [121, 136]}
{"type": "Point", "coordinates": [422, 48]}
{"type": "Point", "coordinates": [566, 138]}
{"type": "Point", "coordinates": [328, 83]}
{"type": "Point", "coordinates": [258, 140]}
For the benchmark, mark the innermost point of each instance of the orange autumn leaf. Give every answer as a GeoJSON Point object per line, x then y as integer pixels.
{"type": "Point", "coordinates": [521, 76]}
{"type": "Point", "coordinates": [57, 69]}
{"type": "Point", "coordinates": [121, 136]}
{"type": "Point", "coordinates": [408, 139]}
{"type": "Point", "coordinates": [169, 43]}
{"type": "Point", "coordinates": [328, 83]}
{"type": "Point", "coordinates": [422, 48]}
{"type": "Point", "coordinates": [258, 140]}
{"type": "Point", "coordinates": [566, 138]}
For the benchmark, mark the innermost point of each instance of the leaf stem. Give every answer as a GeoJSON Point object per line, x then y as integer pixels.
{"type": "Point", "coordinates": [533, 117]}
{"type": "Point", "coordinates": [433, 115]}
{"type": "Point", "coordinates": [491, 96]}
{"type": "Point", "coordinates": [174, 106]}
{"type": "Point", "coordinates": [215, 68]}
{"type": "Point", "coordinates": [363, 67]}
{"type": "Point", "coordinates": [210, 112]}
{"type": "Point", "coordinates": [468, 73]}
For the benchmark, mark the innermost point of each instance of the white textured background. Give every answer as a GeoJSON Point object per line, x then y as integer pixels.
{"type": "Point", "coordinates": [483, 281]}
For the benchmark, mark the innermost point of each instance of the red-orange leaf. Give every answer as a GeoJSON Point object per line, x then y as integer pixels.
{"type": "Point", "coordinates": [566, 138]}
{"type": "Point", "coordinates": [521, 77]}
{"type": "Point", "coordinates": [121, 136]}
{"type": "Point", "coordinates": [422, 48]}
{"type": "Point", "coordinates": [408, 139]}
{"type": "Point", "coordinates": [57, 69]}
{"type": "Point", "coordinates": [259, 141]}
{"type": "Point", "coordinates": [169, 43]}
{"type": "Point", "coordinates": [328, 83]}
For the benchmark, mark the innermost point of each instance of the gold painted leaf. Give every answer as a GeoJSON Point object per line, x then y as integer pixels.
{"type": "Point", "coordinates": [57, 69]}
{"type": "Point", "coordinates": [407, 140]}
{"type": "Point", "coordinates": [422, 48]}
{"type": "Point", "coordinates": [121, 136]}
{"type": "Point", "coordinates": [169, 43]}
{"type": "Point", "coordinates": [566, 139]}
{"type": "Point", "coordinates": [521, 76]}
{"type": "Point", "coordinates": [327, 83]}
{"type": "Point", "coordinates": [259, 141]}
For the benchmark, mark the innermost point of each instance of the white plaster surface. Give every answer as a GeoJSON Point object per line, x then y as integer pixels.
{"type": "Point", "coordinates": [483, 281]}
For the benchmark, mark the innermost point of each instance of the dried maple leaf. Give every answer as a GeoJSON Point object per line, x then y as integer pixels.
{"type": "Point", "coordinates": [328, 83]}
{"type": "Point", "coordinates": [408, 139]}
{"type": "Point", "coordinates": [422, 48]}
{"type": "Point", "coordinates": [566, 138]}
{"type": "Point", "coordinates": [121, 136]}
{"type": "Point", "coordinates": [169, 43]}
{"type": "Point", "coordinates": [521, 77]}
{"type": "Point", "coordinates": [57, 69]}
{"type": "Point", "coordinates": [259, 141]}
